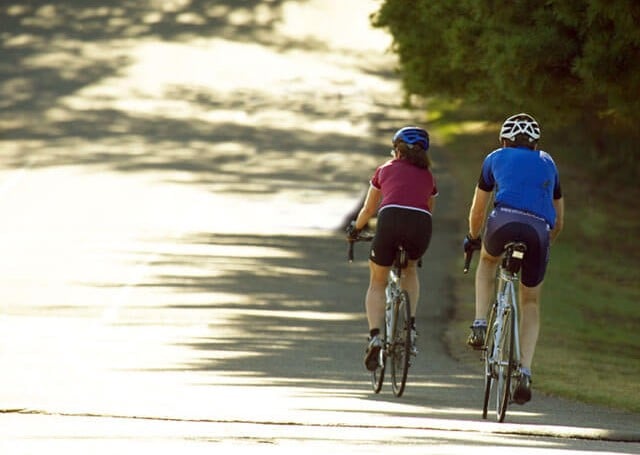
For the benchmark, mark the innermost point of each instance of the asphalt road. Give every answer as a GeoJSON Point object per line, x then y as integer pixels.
{"type": "Point", "coordinates": [171, 183]}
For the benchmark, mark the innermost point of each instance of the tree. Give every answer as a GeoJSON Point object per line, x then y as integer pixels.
{"type": "Point", "coordinates": [569, 61]}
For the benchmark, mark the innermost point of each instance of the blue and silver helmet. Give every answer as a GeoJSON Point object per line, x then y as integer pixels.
{"type": "Point", "coordinates": [412, 135]}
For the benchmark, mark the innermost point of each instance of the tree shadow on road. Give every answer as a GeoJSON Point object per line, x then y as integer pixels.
{"type": "Point", "coordinates": [291, 315]}
{"type": "Point", "coordinates": [52, 52]}
{"type": "Point", "coordinates": [297, 298]}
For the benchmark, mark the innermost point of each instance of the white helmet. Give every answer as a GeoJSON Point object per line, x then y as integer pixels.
{"type": "Point", "coordinates": [520, 124]}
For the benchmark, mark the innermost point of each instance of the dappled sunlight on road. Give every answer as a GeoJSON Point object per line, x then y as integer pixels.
{"type": "Point", "coordinates": [199, 79]}
{"type": "Point", "coordinates": [339, 25]}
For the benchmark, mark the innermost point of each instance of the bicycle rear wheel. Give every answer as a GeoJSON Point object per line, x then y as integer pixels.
{"type": "Point", "coordinates": [489, 359]}
{"type": "Point", "coordinates": [400, 350]}
{"type": "Point", "coordinates": [377, 375]}
{"type": "Point", "coordinates": [505, 366]}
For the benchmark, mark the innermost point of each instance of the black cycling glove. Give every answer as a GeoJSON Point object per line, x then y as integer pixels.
{"type": "Point", "coordinates": [352, 232]}
{"type": "Point", "coordinates": [470, 244]}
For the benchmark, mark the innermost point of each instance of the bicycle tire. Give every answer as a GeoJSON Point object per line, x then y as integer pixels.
{"type": "Point", "coordinates": [489, 356]}
{"type": "Point", "coordinates": [377, 375]}
{"type": "Point", "coordinates": [400, 350]}
{"type": "Point", "coordinates": [505, 368]}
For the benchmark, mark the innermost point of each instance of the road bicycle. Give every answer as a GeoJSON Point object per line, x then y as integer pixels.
{"type": "Point", "coordinates": [397, 347]}
{"type": "Point", "coordinates": [501, 351]}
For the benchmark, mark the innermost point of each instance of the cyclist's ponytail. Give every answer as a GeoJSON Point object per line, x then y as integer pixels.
{"type": "Point", "coordinates": [415, 154]}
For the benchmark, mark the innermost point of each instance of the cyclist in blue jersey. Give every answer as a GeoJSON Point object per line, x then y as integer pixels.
{"type": "Point", "coordinates": [528, 206]}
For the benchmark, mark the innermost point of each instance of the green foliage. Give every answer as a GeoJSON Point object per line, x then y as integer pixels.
{"type": "Point", "coordinates": [610, 62]}
{"type": "Point", "coordinates": [572, 63]}
{"type": "Point", "coordinates": [589, 320]}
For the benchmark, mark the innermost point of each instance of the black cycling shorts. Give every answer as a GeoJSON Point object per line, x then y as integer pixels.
{"type": "Point", "coordinates": [506, 225]}
{"type": "Point", "coordinates": [399, 226]}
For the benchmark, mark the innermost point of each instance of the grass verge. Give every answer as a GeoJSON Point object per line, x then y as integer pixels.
{"type": "Point", "coordinates": [588, 348]}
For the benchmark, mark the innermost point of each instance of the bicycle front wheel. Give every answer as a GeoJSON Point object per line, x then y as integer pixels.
{"type": "Point", "coordinates": [400, 349]}
{"type": "Point", "coordinates": [377, 375]}
{"type": "Point", "coordinates": [490, 354]}
{"type": "Point", "coordinates": [505, 365]}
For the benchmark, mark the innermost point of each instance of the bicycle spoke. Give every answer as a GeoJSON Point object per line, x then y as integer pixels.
{"type": "Point", "coordinates": [401, 344]}
{"type": "Point", "coordinates": [489, 357]}
{"type": "Point", "coordinates": [505, 366]}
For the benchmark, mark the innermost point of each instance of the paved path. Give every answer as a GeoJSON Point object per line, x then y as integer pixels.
{"type": "Point", "coordinates": [170, 184]}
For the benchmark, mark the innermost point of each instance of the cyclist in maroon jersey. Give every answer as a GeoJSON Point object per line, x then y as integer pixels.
{"type": "Point", "coordinates": [402, 194]}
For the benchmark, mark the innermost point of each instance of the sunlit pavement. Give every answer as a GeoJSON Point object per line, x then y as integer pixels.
{"type": "Point", "coordinates": [170, 275]}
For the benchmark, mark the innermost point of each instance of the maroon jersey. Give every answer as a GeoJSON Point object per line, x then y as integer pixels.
{"type": "Point", "coordinates": [404, 185]}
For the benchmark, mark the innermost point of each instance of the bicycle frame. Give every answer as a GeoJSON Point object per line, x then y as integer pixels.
{"type": "Point", "coordinates": [501, 352]}
{"type": "Point", "coordinates": [398, 319]}
{"type": "Point", "coordinates": [397, 332]}
{"type": "Point", "coordinates": [506, 300]}
{"type": "Point", "coordinates": [392, 292]}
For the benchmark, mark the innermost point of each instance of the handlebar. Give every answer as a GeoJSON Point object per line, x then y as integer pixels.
{"type": "Point", "coordinates": [467, 260]}
{"type": "Point", "coordinates": [367, 237]}
{"type": "Point", "coordinates": [362, 237]}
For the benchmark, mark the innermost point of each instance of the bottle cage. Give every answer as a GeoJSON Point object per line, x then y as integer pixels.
{"type": "Point", "coordinates": [513, 255]}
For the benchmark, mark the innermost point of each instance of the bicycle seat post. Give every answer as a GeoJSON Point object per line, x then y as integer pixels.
{"type": "Point", "coordinates": [513, 256]}
{"type": "Point", "coordinates": [401, 260]}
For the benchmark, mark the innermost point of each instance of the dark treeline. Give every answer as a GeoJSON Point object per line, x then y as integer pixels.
{"type": "Point", "coordinates": [574, 64]}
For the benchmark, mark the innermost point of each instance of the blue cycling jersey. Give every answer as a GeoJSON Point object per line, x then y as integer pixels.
{"type": "Point", "coordinates": [524, 179]}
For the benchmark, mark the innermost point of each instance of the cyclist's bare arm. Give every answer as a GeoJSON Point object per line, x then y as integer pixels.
{"type": "Point", "coordinates": [369, 208]}
{"type": "Point", "coordinates": [431, 203]}
{"type": "Point", "coordinates": [478, 211]}
{"type": "Point", "coordinates": [559, 206]}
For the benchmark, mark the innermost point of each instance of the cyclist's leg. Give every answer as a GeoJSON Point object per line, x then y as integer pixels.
{"type": "Point", "coordinates": [375, 298]}
{"type": "Point", "coordinates": [375, 304]}
{"type": "Point", "coordinates": [485, 282]}
{"type": "Point", "coordinates": [529, 329]}
{"type": "Point", "coordinates": [383, 249]}
{"type": "Point", "coordinates": [411, 284]}
{"type": "Point", "coordinates": [499, 230]}
{"type": "Point", "coordinates": [536, 236]}
{"type": "Point", "coordinates": [416, 234]}
{"type": "Point", "coordinates": [485, 295]}
{"type": "Point", "coordinates": [529, 322]}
